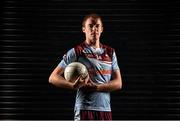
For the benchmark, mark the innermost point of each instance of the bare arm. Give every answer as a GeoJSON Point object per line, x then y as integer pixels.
{"type": "Point", "coordinates": [112, 85]}
{"type": "Point", "coordinates": [57, 79]}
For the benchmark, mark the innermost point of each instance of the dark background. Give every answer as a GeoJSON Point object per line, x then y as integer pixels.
{"type": "Point", "coordinates": [36, 34]}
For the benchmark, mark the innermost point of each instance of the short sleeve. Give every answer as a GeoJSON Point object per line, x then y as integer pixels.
{"type": "Point", "coordinates": [68, 58]}
{"type": "Point", "coordinates": [114, 62]}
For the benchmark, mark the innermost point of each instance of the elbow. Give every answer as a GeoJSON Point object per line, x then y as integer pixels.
{"type": "Point", "coordinates": [119, 85]}
{"type": "Point", "coordinates": [50, 79]}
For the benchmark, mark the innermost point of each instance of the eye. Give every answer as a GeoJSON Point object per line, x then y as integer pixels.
{"type": "Point", "coordinates": [97, 26]}
{"type": "Point", "coordinates": [90, 25]}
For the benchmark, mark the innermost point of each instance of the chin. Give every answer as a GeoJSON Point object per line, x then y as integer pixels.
{"type": "Point", "coordinates": [92, 41]}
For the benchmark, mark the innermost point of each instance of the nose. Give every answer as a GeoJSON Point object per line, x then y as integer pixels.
{"type": "Point", "coordinates": [94, 28]}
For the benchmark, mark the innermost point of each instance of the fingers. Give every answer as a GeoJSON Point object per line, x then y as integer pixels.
{"type": "Point", "coordinates": [79, 82]}
{"type": "Point", "coordinates": [76, 83]}
{"type": "Point", "coordinates": [91, 82]}
{"type": "Point", "coordinates": [87, 79]}
{"type": "Point", "coordinates": [84, 82]}
{"type": "Point", "coordinates": [89, 87]}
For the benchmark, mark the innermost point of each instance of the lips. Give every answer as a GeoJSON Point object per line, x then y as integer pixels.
{"type": "Point", "coordinates": [94, 34]}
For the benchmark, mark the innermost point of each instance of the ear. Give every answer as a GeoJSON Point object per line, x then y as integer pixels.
{"type": "Point", "coordinates": [83, 29]}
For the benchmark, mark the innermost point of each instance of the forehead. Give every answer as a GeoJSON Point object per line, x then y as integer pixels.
{"type": "Point", "coordinates": [93, 21]}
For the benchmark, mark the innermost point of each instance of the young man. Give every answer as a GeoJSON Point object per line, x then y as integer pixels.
{"type": "Point", "coordinates": [93, 94]}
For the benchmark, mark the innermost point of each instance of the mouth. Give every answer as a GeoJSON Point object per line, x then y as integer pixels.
{"type": "Point", "coordinates": [94, 34]}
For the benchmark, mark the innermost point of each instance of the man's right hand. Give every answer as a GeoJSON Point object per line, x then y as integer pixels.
{"type": "Point", "coordinates": [80, 82]}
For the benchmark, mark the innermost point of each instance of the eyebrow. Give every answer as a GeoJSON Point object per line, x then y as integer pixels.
{"type": "Point", "coordinates": [93, 24]}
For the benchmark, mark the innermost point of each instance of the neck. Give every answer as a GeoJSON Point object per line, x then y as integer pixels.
{"type": "Point", "coordinates": [94, 44]}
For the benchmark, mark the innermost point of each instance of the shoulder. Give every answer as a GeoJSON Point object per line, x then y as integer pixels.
{"type": "Point", "coordinates": [107, 48]}
{"type": "Point", "coordinates": [79, 48]}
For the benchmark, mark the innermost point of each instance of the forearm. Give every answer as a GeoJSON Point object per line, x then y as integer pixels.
{"type": "Point", "coordinates": [110, 86]}
{"type": "Point", "coordinates": [59, 81]}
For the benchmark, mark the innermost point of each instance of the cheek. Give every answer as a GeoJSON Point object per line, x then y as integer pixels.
{"type": "Point", "coordinates": [100, 30]}
{"type": "Point", "coordinates": [87, 32]}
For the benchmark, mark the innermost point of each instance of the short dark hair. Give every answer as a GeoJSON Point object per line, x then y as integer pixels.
{"type": "Point", "coordinates": [93, 15]}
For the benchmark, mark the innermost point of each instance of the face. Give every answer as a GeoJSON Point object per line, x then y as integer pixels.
{"type": "Point", "coordinates": [92, 29]}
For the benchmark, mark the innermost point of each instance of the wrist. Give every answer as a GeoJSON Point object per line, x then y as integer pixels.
{"type": "Point", "coordinates": [72, 86]}
{"type": "Point", "coordinates": [97, 87]}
